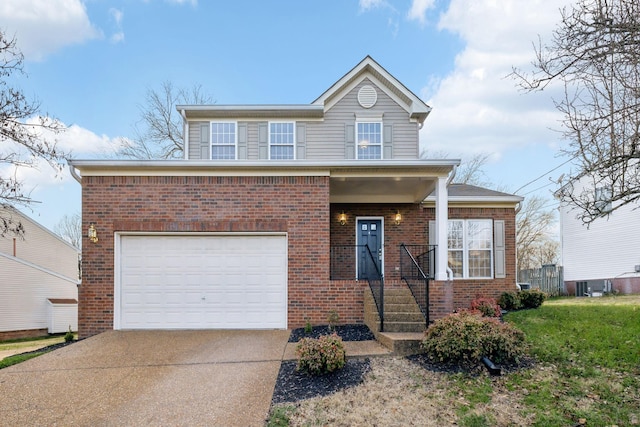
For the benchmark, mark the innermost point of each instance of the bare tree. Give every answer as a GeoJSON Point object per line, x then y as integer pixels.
{"type": "Point", "coordinates": [533, 222]}
{"type": "Point", "coordinates": [469, 172]}
{"type": "Point", "coordinates": [21, 134]}
{"type": "Point", "coordinates": [70, 229]}
{"type": "Point", "coordinates": [595, 54]}
{"type": "Point", "coordinates": [158, 134]}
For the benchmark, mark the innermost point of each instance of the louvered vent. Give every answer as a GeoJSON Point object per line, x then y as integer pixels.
{"type": "Point", "coordinates": [367, 96]}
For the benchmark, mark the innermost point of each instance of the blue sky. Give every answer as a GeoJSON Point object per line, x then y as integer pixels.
{"type": "Point", "coordinates": [90, 63]}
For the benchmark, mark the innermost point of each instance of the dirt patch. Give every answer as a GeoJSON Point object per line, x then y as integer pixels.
{"type": "Point", "coordinates": [398, 392]}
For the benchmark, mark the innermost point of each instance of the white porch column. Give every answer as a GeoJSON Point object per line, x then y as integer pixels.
{"type": "Point", "coordinates": [442, 218]}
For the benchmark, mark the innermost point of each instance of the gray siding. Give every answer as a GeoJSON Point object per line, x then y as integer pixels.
{"type": "Point", "coordinates": [198, 140]}
{"type": "Point", "coordinates": [252, 141]}
{"type": "Point", "coordinates": [327, 140]}
{"type": "Point", "coordinates": [330, 139]}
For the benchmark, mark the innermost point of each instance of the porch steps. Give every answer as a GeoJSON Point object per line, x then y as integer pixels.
{"type": "Point", "coordinates": [404, 323]}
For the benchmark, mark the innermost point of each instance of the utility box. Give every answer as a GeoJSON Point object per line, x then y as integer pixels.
{"type": "Point", "coordinates": [63, 314]}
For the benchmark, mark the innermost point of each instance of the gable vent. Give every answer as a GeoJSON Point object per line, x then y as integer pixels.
{"type": "Point", "coordinates": [367, 96]}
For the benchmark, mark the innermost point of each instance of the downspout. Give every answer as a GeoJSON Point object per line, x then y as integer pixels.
{"type": "Point", "coordinates": [185, 135]}
{"type": "Point", "coordinates": [452, 174]}
{"type": "Point", "coordinates": [74, 173]}
{"type": "Point", "coordinates": [517, 209]}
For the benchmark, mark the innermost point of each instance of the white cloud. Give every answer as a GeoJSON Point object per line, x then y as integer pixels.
{"type": "Point", "coordinates": [181, 2]}
{"type": "Point", "coordinates": [116, 16]}
{"type": "Point", "coordinates": [418, 10]}
{"type": "Point", "coordinates": [76, 141]}
{"type": "Point", "coordinates": [476, 108]}
{"type": "Point", "coordinates": [371, 4]}
{"type": "Point", "coordinates": [45, 26]}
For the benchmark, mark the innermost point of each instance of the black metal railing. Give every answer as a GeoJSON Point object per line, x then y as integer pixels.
{"type": "Point", "coordinates": [349, 262]}
{"type": "Point", "coordinates": [417, 264]}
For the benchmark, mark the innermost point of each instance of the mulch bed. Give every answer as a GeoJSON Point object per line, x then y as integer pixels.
{"type": "Point", "coordinates": [346, 332]}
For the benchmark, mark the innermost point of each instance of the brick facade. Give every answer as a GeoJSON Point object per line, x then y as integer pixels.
{"type": "Point", "coordinates": [298, 206]}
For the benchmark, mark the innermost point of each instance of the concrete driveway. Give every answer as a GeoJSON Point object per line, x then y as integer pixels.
{"type": "Point", "coordinates": [213, 378]}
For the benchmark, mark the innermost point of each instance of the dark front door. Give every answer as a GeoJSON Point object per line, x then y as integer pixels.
{"type": "Point", "coordinates": [369, 235]}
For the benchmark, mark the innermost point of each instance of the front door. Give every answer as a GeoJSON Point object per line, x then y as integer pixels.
{"type": "Point", "coordinates": [369, 234]}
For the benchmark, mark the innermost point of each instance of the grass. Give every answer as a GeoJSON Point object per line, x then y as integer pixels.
{"type": "Point", "coordinates": [587, 372]}
{"type": "Point", "coordinates": [26, 344]}
{"type": "Point", "coordinates": [18, 358]}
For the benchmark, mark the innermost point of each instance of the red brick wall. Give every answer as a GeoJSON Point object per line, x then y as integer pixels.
{"type": "Point", "coordinates": [27, 333]}
{"type": "Point", "coordinates": [413, 229]}
{"type": "Point", "coordinates": [297, 205]}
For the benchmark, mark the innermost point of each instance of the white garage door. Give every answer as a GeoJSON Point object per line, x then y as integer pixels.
{"type": "Point", "coordinates": [202, 282]}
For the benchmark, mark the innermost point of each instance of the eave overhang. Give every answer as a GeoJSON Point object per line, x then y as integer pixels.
{"type": "Point", "coordinates": [239, 112]}
{"type": "Point", "coordinates": [349, 181]}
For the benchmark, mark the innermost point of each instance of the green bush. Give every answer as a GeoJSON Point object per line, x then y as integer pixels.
{"type": "Point", "coordinates": [488, 307]}
{"type": "Point", "coordinates": [509, 301]}
{"type": "Point", "coordinates": [68, 337]}
{"type": "Point", "coordinates": [322, 355]}
{"type": "Point", "coordinates": [532, 299]}
{"type": "Point", "coordinates": [463, 338]}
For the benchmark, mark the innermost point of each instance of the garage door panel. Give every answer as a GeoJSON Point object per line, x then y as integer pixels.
{"type": "Point", "coordinates": [174, 282]}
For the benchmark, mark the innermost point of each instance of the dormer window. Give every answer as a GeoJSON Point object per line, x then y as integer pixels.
{"type": "Point", "coordinates": [281, 140]}
{"type": "Point", "coordinates": [369, 140]}
{"type": "Point", "coordinates": [223, 140]}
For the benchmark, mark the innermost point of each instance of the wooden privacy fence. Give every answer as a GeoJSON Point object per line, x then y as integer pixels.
{"type": "Point", "coordinates": [548, 278]}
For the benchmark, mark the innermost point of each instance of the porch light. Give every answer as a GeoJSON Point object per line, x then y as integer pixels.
{"type": "Point", "coordinates": [92, 234]}
{"type": "Point", "coordinates": [398, 218]}
{"type": "Point", "coordinates": [342, 218]}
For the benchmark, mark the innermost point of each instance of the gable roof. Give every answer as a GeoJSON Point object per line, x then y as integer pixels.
{"type": "Point", "coordinates": [369, 68]}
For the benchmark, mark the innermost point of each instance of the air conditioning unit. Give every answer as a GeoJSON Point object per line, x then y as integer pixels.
{"type": "Point", "coordinates": [637, 268]}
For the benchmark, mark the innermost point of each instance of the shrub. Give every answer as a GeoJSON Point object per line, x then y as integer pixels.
{"type": "Point", "coordinates": [532, 299]}
{"type": "Point", "coordinates": [509, 301]}
{"type": "Point", "coordinates": [463, 338]}
{"type": "Point", "coordinates": [488, 307]}
{"type": "Point", "coordinates": [322, 355]}
{"type": "Point", "coordinates": [68, 337]}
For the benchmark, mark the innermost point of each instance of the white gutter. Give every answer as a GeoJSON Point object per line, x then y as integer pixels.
{"type": "Point", "coordinates": [452, 174]}
{"type": "Point", "coordinates": [42, 269]}
{"type": "Point", "coordinates": [74, 173]}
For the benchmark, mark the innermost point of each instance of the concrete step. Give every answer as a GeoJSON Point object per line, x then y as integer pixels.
{"type": "Point", "coordinates": [390, 326]}
{"type": "Point", "coordinates": [398, 316]}
{"type": "Point", "coordinates": [402, 308]}
{"type": "Point", "coordinates": [401, 343]}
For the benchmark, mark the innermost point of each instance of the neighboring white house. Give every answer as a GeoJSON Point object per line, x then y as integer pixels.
{"type": "Point", "coordinates": [38, 281]}
{"type": "Point", "coordinates": [606, 255]}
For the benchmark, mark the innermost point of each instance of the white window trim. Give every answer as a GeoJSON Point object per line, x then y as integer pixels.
{"type": "Point", "coordinates": [465, 250]}
{"type": "Point", "coordinates": [381, 137]}
{"type": "Point", "coordinates": [235, 142]}
{"type": "Point", "coordinates": [269, 137]}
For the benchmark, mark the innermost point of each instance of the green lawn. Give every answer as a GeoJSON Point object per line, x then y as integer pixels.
{"type": "Point", "coordinates": [586, 372]}
{"type": "Point", "coordinates": [591, 349]}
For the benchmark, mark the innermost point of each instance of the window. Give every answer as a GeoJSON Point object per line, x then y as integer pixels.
{"type": "Point", "coordinates": [603, 199]}
{"type": "Point", "coordinates": [223, 141]}
{"type": "Point", "coordinates": [369, 140]}
{"type": "Point", "coordinates": [470, 247]}
{"type": "Point", "coordinates": [281, 140]}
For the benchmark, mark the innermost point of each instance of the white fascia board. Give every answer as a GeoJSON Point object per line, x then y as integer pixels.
{"type": "Point", "coordinates": [418, 105]}
{"type": "Point", "coordinates": [480, 200]}
{"type": "Point", "coordinates": [202, 112]}
{"type": "Point", "coordinates": [345, 168]}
